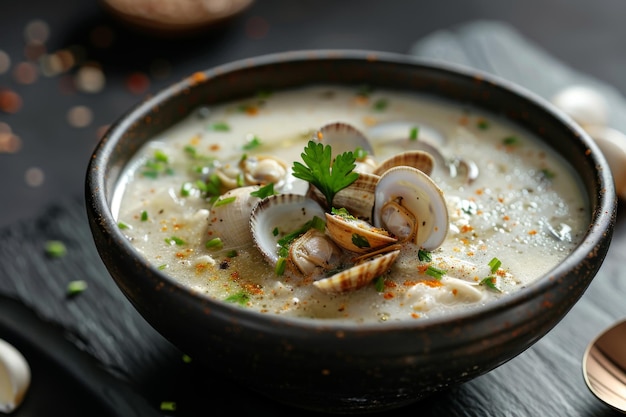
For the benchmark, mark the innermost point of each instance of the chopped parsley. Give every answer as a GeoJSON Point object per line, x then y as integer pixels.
{"type": "Point", "coordinates": [510, 140]}
{"type": "Point", "coordinates": [224, 201]}
{"type": "Point", "coordinates": [144, 216]}
{"type": "Point", "coordinates": [55, 249]}
{"type": "Point", "coordinates": [215, 243]}
{"type": "Point", "coordinates": [380, 104]}
{"type": "Point", "coordinates": [253, 143]}
{"type": "Point", "coordinates": [482, 124]}
{"type": "Point", "coordinates": [264, 191]}
{"type": "Point", "coordinates": [435, 272]}
{"type": "Point", "coordinates": [173, 240]}
{"type": "Point", "coordinates": [122, 226]}
{"type": "Point", "coordinates": [158, 164]}
{"type": "Point", "coordinates": [490, 282]}
{"type": "Point", "coordinates": [414, 133]}
{"type": "Point", "coordinates": [424, 255]}
{"type": "Point", "coordinates": [360, 241]}
{"type": "Point", "coordinates": [240, 298]}
{"type": "Point", "coordinates": [379, 284]}
{"type": "Point", "coordinates": [343, 213]}
{"type": "Point", "coordinates": [281, 264]}
{"type": "Point", "coordinates": [76, 287]}
{"type": "Point", "coordinates": [220, 127]}
{"type": "Point", "coordinates": [494, 264]}
{"type": "Point", "coordinates": [360, 153]}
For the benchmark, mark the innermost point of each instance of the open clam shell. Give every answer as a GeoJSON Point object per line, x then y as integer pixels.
{"type": "Point", "coordinates": [343, 137]}
{"type": "Point", "coordinates": [15, 377]}
{"type": "Point", "coordinates": [412, 207]}
{"type": "Point", "coordinates": [275, 216]}
{"type": "Point", "coordinates": [356, 235]}
{"type": "Point", "coordinates": [359, 275]}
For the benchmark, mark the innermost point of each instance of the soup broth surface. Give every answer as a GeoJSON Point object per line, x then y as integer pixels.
{"type": "Point", "coordinates": [521, 215]}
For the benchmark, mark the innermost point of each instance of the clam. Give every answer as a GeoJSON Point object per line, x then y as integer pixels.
{"type": "Point", "coordinates": [312, 252]}
{"type": "Point", "coordinates": [360, 274]}
{"type": "Point", "coordinates": [253, 170]}
{"type": "Point", "coordinates": [276, 216]}
{"type": "Point", "coordinates": [356, 235]}
{"type": "Point", "coordinates": [230, 221]}
{"type": "Point", "coordinates": [412, 207]}
{"type": "Point", "coordinates": [343, 137]}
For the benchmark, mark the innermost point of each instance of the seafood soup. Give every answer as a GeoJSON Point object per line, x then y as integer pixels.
{"type": "Point", "coordinates": [356, 204]}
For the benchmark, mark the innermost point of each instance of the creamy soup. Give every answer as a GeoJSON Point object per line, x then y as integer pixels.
{"type": "Point", "coordinates": [497, 209]}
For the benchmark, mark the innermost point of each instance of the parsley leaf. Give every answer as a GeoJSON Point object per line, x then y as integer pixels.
{"type": "Point", "coordinates": [318, 160]}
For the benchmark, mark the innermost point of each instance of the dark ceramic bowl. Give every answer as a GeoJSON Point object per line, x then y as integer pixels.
{"type": "Point", "coordinates": [348, 368]}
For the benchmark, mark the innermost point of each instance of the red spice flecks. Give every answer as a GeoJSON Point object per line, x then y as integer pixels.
{"type": "Point", "coordinates": [388, 296]}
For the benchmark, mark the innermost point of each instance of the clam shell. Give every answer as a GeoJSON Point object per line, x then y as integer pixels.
{"type": "Point", "coordinates": [421, 197]}
{"type": "Point", "coordinates": [343, 137]}
{"type": "Point", "coordinates": [416, 159]}
{"type": "Point", "coordinates": [15, 377]}
{"type": "Point", "coordinates": [359, 275]}
{"type": "Point", "coordinates": [230, 221]}
{"type": "Point", "coordinates": [313, 251]}
{"type": "Point", "coordinates": [285, 213]}
{"type": "Point", "coordinates": [356, 235]}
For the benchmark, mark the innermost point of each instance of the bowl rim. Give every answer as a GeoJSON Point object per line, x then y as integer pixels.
{"type": "Point", "coordinates": [600, 228]}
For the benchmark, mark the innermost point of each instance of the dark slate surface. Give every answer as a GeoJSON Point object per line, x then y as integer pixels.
{"type": "Point", "coordinates": [95, 346]}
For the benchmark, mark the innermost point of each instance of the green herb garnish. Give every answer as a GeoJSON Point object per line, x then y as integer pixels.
{"type": "Point", "coordinates": [173, 240]}
{"type": "Point", "coordinates": [55, 249]}
{"type": "Point", "coordinates": [162, 267]}
{"type": "Point", "coordinates": [224, 201]}
{"type": "Point", "coordinates": [275, 231]}
{"type": "Point", "coordinates": [380, 104]}
{"type": "Point", "coordinates": [144, 216]}
{"type": "Point", "coordinates": [490, 282]}
{"type": "Point", "coordinates": [510, 140]}
{"type": "Point", "coordinates": [76, 287]}
{"type": "Point", "coordinates": [414, 133]}
{"type": "Point", "coordinates": [435, 272]}
{"type": "Point", "coordinates": [232, 253]}
{"type": "Point", "coordinates": [168, 406]}
{"type": "Point", "coordinates": [281, 264]}
{"type": "Point", "coordinates": [122, 226]}
{"type": "Point", "coordinates": [220, 127]}
{"type": "Point", "coordinates": [360, 153]}
{"type": "Point", "coordinates": [318, 160]}
{"type": "Point", "coordinates": [482, 124]}
{"type": "Point", "coordinates": [240, 298]}
{"type": "Point", "coordinates": [494, 264]}
{"type": "Point", "coordinates": [379, 284]}
{"type": "Point", "coordinates": [215, 243]}
{"type": "Point", "coordinates": [548, 174]}
{"type": "Point", "coordinates": [424, 256]}
{"type": "Point", "coordinates": [253, 143]}
{"type": "Point", "coordinates": [265, 191]}
{"type": "Point", "coordinates": [343, 213]}
{"type": "Point", "coordinates": [360, 241]}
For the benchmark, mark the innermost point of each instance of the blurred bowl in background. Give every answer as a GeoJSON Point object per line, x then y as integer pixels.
{"type": "Point", "coordinates": [174, 17]}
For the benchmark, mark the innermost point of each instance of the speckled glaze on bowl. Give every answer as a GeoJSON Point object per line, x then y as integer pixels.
{"type": "Point", "coordinates": [348, 368]}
